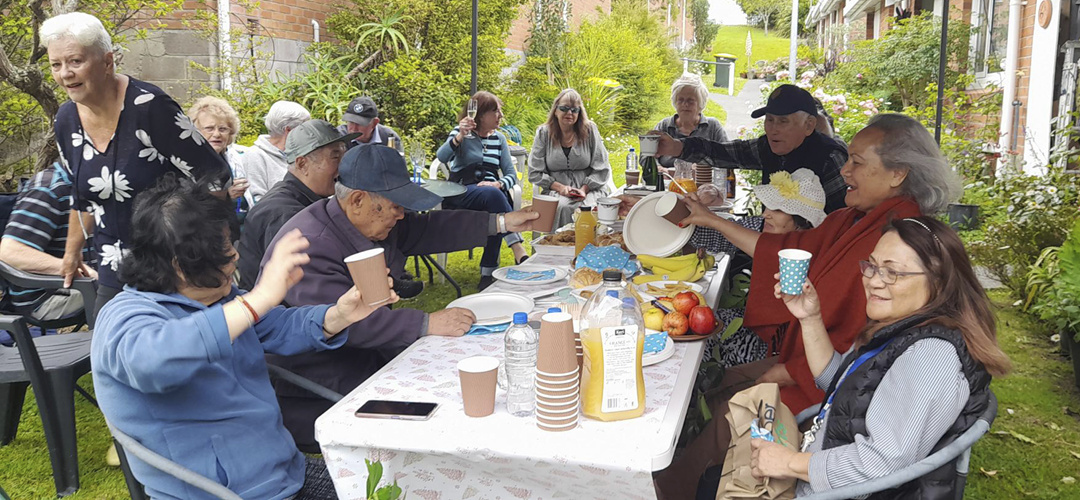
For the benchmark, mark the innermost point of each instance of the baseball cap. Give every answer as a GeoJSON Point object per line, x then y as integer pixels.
{"type": "Point", "coordinates": [361, 111]}
{"type": "Point", "coordinates": [785, 100]}
{"type": "Point", "coordinates": [381, 170]}
{"type": "Point", "coordinates": [312, 135]}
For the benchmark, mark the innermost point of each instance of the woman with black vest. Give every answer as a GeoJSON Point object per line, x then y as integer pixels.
{"type": "Point", "coordinates": [916, 378]}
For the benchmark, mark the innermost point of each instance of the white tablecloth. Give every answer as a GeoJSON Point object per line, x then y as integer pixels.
{"type": "Point", "coordinates": [502, 456]}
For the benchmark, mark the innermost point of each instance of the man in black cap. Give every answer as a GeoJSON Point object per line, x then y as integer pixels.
{"type": "Point", "coordinates": [374, 206]}
{"type": "Point", "coordinates": [790, 143]}
{"type": "Point", "coordinates": [362, 118]}
{"type": "Point", "coordinates": [313, 150]}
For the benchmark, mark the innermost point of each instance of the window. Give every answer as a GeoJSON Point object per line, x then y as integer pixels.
{"type": "Point", "coordinates": [870, 26]}
{"type": "Point", "coordinates": [991, 18]}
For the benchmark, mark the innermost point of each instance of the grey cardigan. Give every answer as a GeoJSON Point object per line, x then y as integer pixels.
{"type": "Point", "coordinates": [587, 163]}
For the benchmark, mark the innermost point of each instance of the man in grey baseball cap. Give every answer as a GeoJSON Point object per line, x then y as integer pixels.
{"type": "Point", "coordinates": [362, 117]}
{"type": "Point", "coordinates": [313, 150]}
{"type": "Point", "coordinates": [374, 206]}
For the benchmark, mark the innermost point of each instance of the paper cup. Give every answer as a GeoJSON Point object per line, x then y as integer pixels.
{"type": "Point", "coordinates": [672, 208]}
{"type": "Point", "coordinates": [557, 387]}
{"type": "Point", "coordinates": [569, 412]}
{"type": "Point", "coordinates": [648, 144]}
{"type": "Point", "coordinates": [556, 354]}
{"type": "Point", "coordinates": [560, 398]}
{"type": "Point", "coordinates": [633, 177]}
{"type": "Point", "coordinates": [569, 377]}
{"type": "Point", "coordinates": [368, 271]}
{"type": "Point", "coordinates": [547, 207]}
{"type": "Point", "coordinates": [556, 428]}
{"type": "Point", "coordinates": [794, 264]}
{"type": "Point", "coordinates": [556, 376]}
{"type": "Point", "coordinates": [607, 209]}
{"type": "Point", "coordinates": [544, 406]}
{"type": "Point", "coordinates": [478, 375]}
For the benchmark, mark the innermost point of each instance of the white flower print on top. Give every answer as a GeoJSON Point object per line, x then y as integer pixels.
{"type": "Point", "coordinates": [187, 129]}
{"type": "Point", "coordinates": [111, 255]}
{"type": "Point", "coordinates": [111, 185]}
{"type": "Point", "coordinates": [87, 152]}
{"type": "Point", "coordinates": [99, 214]}
{"type": "Point", "coordinates": [182, 166]}
{"type": "Point", "coordinates": [76, 140]}
{"type": "Point", "coordinates": [149, 152]}
{"type": "Point", "coordinates": [144, 98]}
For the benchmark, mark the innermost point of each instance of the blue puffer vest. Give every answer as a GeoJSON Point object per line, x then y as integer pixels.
{"type": "Point", "coordinates": [847, 416]}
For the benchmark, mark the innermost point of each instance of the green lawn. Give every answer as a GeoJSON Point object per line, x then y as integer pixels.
{"type": "Point", "coordinates": [732, 40]}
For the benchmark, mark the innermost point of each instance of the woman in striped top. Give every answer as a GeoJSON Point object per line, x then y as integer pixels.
{"type": "Point", "coordinates": [916, 378]}
{"type": "Point", "coordinates": [481, 161]}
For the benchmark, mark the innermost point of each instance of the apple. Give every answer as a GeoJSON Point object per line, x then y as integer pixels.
{"type": "Point", "coordinates": [702, 320]}
{"type": "Point", "coordinates": [684, 302]}
{"type": "Point", "coordinates": [654, 319]}
{"type": "Point", "coordinates": [675, 323]}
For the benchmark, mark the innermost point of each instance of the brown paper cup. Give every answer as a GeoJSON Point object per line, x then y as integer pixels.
{"type": "Point", "coordinates": [556, 354]}
{"type": "Point", "coordinates": [556, 428]}
{"type": "Point", "coordinates": [633, 177]}
{"type": "Point", "coordinates": [559, 414]}
{"type": "Point", "coordinates": [368, 271]}
{"type": "Point", "coordinates": [478, 375]}
{"type": "Point", "coordinates": [547, 207]}
{"type": "Point", "coordinates": [557, 387]}
{"type": "Point", "coordinates": [559, 400]}
{"type": "Point", "coordinates": [550, 378]}
{"type": "Point", "coordinates": [672, 208]}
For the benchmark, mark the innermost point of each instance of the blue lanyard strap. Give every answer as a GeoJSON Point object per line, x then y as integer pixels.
{"type": "Point", "coordinates": [851, 368]}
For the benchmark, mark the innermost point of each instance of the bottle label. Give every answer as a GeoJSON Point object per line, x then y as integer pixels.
{"type": "Point", "coordinates": [620, 380]}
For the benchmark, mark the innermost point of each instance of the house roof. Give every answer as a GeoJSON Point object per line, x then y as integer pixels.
{"type": "Point", "coordinates": [819, 10]}
{"type": "Point", "coordinates": [858, 7]}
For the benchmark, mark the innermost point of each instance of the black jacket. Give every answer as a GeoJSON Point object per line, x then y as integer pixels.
{"type": "Point", "coordinates": [847, 416]}
{"type": "Point", "coordinates": [286, 199]}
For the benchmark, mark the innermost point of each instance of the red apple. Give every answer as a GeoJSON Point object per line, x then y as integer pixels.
{"type": "Point", "coordinates": [684, 302]}
{"type": "Point", "coordinates": [702, 320]}
{"type": "Point", "coordinates": [675, 323]}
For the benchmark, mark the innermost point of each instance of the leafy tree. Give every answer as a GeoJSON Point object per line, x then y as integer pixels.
{"type": "Point", "coordinates": [548, 28]}
{"type": "Point", "coordinates": [704, 29]}
{"type": "Point", "coordinates": [765, 12]}
{"type": "Point", "coordinates": [27, 91]}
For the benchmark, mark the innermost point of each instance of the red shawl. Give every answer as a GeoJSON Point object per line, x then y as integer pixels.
{"type": "Point", "coordinates": [838, 245]}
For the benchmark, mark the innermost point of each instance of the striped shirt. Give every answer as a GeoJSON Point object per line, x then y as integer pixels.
{"type": "Point", "coordinates": [917, 401]}
{"type": "Point", "coordinates": [40, 221]}
{"type": "Point", "coordinates": [492, 152]}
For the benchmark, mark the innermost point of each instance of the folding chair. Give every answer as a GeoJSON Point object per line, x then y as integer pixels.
{"type": "Point", "coordinates": [961, 448]}
{"type": "Point", "coordinates": [125, 443]}
{"type": "Point", "coordinates": [51, 284]}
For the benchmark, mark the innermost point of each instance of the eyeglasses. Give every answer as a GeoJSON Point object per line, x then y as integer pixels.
{"type": "Point", "coordinates": [569, 109]}
{"type": "Point", "coordinates": [888, 275]}
{"type": "Point", "coordinates": [208, 130]}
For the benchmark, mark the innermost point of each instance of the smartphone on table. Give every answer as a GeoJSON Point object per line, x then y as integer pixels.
{"type": "Point", "coordinates": [396, 410]}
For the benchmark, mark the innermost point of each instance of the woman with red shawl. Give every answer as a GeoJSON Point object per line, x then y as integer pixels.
{"type": "Point", "coordinates": [895, 170]}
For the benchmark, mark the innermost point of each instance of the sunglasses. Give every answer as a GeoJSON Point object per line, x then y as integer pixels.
{"type": "Point", "coordinates": [568, 109]}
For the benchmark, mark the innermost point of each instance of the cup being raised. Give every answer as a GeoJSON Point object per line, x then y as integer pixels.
{"type": "Point", "coordinates": [368, 271]}
{"type": "Point", "coordinates": [672, 208]}
{"type": "Point", "coordinates": [547, 206]}
{"type": "Point", "coordinates": [648, 143]}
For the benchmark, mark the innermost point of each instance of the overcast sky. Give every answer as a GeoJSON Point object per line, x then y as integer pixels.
{"type": "Point", "coordinates": [726, 12]}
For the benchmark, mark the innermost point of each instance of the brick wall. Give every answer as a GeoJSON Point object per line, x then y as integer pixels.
{"type": "Point", "coordinates": [580, 10]}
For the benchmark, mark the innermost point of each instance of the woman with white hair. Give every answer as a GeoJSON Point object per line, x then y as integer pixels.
{"type": "Point", "coordinates": [118, 136]}
{"type": "Point", "coordinates": [264, 162]}
{"type": "Point", "coordinates": [218, 122]}
{"type": "Point", "coordinates": [689, 95]}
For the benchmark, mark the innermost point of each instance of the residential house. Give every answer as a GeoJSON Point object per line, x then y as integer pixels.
{"type": "Point", "coordinates": [1016, 49]}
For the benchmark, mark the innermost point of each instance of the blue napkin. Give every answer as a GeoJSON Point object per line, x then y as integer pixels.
{"type": "Point", "coordinates": [484, 330]}
{"type": "Point", "coordinates": [516, 275]}
{"type": "Point", "coordinates": [600, 258]}
{"type": "Point", "coordinates": [655, 342]}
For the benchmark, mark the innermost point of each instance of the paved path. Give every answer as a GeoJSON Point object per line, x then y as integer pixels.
{"type": "Point", "coordinates": [738, 111]}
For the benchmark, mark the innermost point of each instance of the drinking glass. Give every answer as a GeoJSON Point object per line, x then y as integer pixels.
{"type": "Point", "coordinates": [471, 111]}
{"type": "Point", "coordinates": [416, 154]}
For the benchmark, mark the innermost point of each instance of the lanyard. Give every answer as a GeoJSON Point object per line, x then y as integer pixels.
{"type": "Point", "coordinates": [809, 436]}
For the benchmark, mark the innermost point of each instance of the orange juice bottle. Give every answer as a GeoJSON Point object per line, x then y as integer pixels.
{"type": "Point", "coordinates": [613, 341]}
{"type": "Point", "coordinates": [584, 229]}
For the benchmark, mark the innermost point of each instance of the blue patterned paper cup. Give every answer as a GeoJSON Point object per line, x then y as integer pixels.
{"type": "Point", "coordinates": [794, 264]}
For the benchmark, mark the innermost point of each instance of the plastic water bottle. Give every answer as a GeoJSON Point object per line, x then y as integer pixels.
{"type": "Point", "coordinates": [631, 160]}
{"type": "Point", "coordinates": [417, 169]}
{"type": "Point", "coordinates": [520, 346]}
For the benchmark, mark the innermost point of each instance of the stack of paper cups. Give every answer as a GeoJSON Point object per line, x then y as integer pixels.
{"type": "Point", "coordinates": [557, 374]}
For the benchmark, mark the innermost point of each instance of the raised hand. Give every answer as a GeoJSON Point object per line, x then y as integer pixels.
{"type": "Point", "coordinates": [802, 306]}
{"type": "Point", "coordinates": [283, 270]}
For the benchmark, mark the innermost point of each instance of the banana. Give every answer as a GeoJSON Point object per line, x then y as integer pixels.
{"type": "Point", "coordinates": [641, 279]}
{"type": "Point", "coordinates": [670, 263]}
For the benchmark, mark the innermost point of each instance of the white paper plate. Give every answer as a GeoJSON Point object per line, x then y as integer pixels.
{"type": "Point", "coordinates": [500, 274]}
{"type": "Point", "coordinates": [645, 233]}
{"type": "Point", "coordinates": [656, 357]}
{"type": "Point", "coordinates": [494, 308]}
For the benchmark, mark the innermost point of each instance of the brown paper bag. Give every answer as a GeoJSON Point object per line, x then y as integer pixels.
{"type": "Point", "coordinates": [762, 402]}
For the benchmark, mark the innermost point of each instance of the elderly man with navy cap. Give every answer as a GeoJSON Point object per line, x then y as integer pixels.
{"type": "Point", "coordinates": [790, 143]}
{"type": "Point", "coordinates": [362, 118]}
{"type": "Point", "coordinates": [374, 205]}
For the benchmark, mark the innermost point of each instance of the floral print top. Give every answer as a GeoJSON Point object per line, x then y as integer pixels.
{"type": "Point", "coordinates": [153, 137]}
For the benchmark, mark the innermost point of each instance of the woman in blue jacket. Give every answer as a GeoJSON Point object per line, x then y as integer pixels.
{"type": "Point", "coordinates": [178, 355]}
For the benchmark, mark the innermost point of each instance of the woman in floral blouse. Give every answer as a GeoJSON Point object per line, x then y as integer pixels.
{"type": "Point", "coordinates": [117, 136]}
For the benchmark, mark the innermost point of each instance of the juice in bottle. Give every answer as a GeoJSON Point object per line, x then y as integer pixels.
{"type": "Point", "coordinates": [584, 229]}
{"type": "Point", "coordinates": [613, 340]}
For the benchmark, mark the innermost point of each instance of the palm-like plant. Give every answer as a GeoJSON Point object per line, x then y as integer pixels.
{"type": "Point", "coordinates": [386, 31]}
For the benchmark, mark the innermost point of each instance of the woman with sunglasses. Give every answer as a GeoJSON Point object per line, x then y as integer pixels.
{"type": "Point", "coordinates": [569, 158]}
